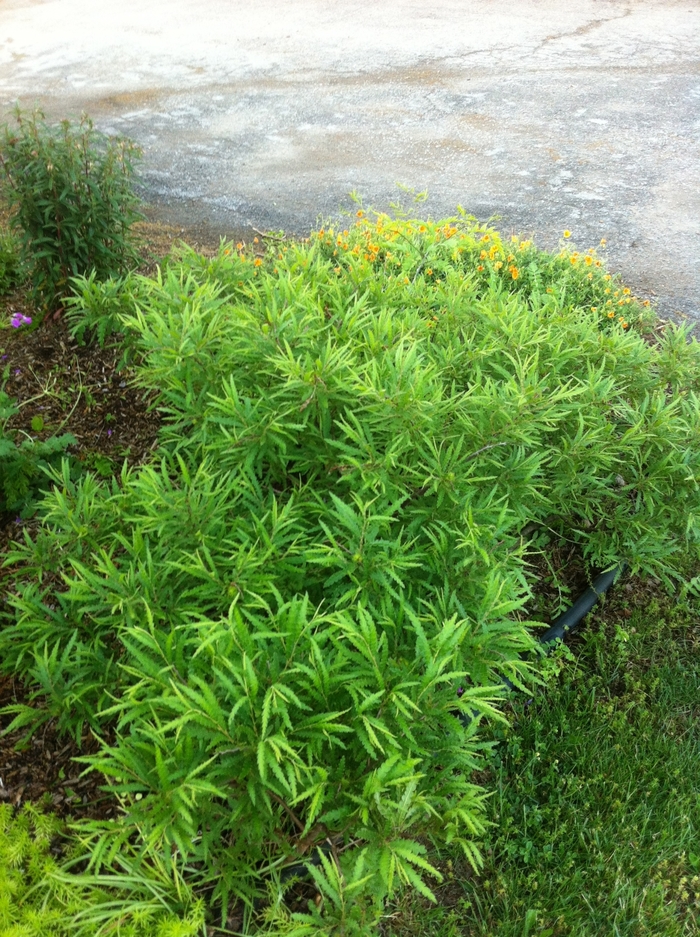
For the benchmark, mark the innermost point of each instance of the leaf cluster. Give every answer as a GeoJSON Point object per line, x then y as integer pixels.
{"type": "Point", "coordinates": [11, 272]}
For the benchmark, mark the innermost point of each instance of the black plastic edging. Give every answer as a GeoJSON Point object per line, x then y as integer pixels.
{"type": "Point", "coordinates": [573, 616]}
{"type": "Point", "coordinates": [567, 621]}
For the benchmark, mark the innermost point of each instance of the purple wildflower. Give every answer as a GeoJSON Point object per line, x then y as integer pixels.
{"type": "Point", "coordinates": [460, 691]}
{"type": "Point", "coordinates": [17, 371]}
{"type": "Point", "coordinates": [18, 520]}
{"type": "Point", "coordinates": [109, 432]}
{"type": "Point", "coordinates": [18, 319]}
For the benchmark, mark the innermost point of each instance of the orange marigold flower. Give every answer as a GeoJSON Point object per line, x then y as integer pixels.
{"type": "Point", "coordinates": [498, 265]}
{"type": "Point", "coordinates": [360, 214]}
{"type": "Point", "coordinates": [594, 309]}
{"type": "Point", "coordinates": [429, 271]}
{"type": "Point", "coordinates": [626, 291]}
{"type": "Point", "coordinates": [239, 246]}
{"type": "Point", "coordinates": [611, 315]}
{"type": "Point", "coordinates": [567, 233]}
{"type": "Point", "coordinates": [258, 262]}
{"type": "Point", "coordinates": [484, 255]}
{"type": "Point", "coordinates": [589, 261]}
{"type": "Point", "coordinates": [422, 229]}
{"type": "Point", "coordinates": [256, 241]}
{"type": "Point", "coordinates": [646, 302]}
{"type": "Point", "coordinates": [573, 259]}
{"type": "Point", "coordinates": [480, 267]}
{"type": "Point", "coordinates": [514, 272]}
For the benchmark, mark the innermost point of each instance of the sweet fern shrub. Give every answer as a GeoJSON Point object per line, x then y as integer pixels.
{"type": "Point", "coordinates": [71, 189]}
{"type": "Point", "coordinates": [281, 616]}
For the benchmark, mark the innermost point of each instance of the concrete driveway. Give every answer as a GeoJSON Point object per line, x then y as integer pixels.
{"type": "Point", "coordinates": [547, 113]}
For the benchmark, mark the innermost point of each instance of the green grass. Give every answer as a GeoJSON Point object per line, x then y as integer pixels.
{"type": "Point", "coordinates": [597, 795]}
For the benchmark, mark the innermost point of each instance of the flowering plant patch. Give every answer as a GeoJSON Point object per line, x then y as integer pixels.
{"type": "Point", "coordinates": [19, 319]}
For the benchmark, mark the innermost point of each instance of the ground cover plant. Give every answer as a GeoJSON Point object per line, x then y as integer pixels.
{"type": "Point", "coordinates": [22, 460]}
{"type": "Point", "coordinates": [38, 898]}
{"type": "Point", "coordinates": [272, 626]}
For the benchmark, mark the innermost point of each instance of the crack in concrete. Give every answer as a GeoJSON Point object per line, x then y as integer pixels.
{"type": "Point", "coordinates": [585, 28]}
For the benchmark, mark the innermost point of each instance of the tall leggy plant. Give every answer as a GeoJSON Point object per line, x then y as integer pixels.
{"type": "Point", "coordinates": [71, 188]}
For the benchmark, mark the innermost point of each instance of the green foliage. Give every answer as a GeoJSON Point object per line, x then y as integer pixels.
{"type": "Point", "coordinates": [40, 898]}
{"type": "Point", "coordinates": [596, 809]}
{"type": "Point", "coordinates": [10, 263]}
{"type": "Point", "coordinates": [71, 188]}
{"type": "Point", "coordinates": [22, 463]}
{"type": "Point", "coordinates": [277, 613]}
{"type": "Point", "coordinates": [93, 311]}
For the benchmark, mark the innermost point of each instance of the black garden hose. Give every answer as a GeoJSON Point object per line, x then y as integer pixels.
{"type": "Point", "coordinates": [573, 616]}
{"type": "Point", "coordinates": [567, 621]}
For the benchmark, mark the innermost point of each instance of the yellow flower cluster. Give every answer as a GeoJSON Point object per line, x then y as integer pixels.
{"type": "Point", "coordinates": [425, 253]}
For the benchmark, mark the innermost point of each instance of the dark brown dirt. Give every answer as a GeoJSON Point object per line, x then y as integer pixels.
{"type": "Point", "coordinates": [42, 769]}
{"type": "Point", "coordinates": [77, 389]}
